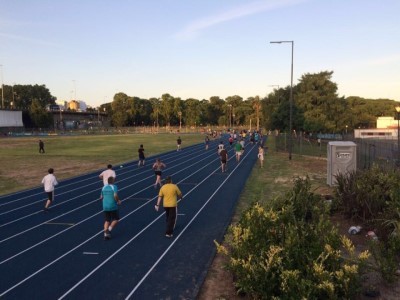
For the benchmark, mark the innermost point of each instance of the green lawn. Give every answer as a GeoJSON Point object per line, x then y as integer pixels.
{"type": "Point", "coordinates": [24, 167]}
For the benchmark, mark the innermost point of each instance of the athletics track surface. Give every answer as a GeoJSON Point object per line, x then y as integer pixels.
{"type": "Point", "coordinates": [62, 254]}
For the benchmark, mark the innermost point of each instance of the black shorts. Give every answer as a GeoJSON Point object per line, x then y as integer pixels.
{"type": "Point", "coordinates": [223, 161]}
{"type": "Point", "coordinates": [50, 195]}
{"type": "Point", "coordinates": [141, 157]}
{"type": "Point", "coordinates": [111, 215]}
{"type": "Point", "coordinates": [157, 173]}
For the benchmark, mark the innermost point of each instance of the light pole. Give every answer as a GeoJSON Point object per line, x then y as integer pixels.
{"type": "Point", "coordinates": [230, 115]}
{"type": "Point", "coordinates": [13, 98]}
{"type": "Point", "coordinates": [180, 121]}
{"type": "Point", "coordinates": [276, 85]}
{"type": "Point", "coordinates": [398, 134]}
{"type": "Point", "coordinates": [291, 98]}
{"type": "Point", "coordinates": [74, 81]}
{"type": "Point", "coordinates": [2, 88]}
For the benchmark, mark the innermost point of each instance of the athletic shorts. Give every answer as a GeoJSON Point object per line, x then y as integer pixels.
{"type": "Point", "coordinates": [239, 153]}
{"type": "Point", "coordinates": [111, 215]}
{"type": "Point", "coordinates": [223, 161]}
{"type": "Point", "coordinates": [50, 196]}
{"type": "Point", "coordinates": [157, 173]}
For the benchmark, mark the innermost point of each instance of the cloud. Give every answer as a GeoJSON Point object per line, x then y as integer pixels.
{"type": "Point", "coordinates": [384, 60]}
{"type": "Point", "coordinates": [27, 40]}
{"type": "Point", "coordinates": [194, 28]}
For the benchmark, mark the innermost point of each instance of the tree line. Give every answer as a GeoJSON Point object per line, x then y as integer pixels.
{"type": "Point", "coordinates": [316, 108]}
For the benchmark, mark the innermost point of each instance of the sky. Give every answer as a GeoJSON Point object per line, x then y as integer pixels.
{"type": "Point", "coordinates": [92, 49]}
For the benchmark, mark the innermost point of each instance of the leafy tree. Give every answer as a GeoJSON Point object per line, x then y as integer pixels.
{"type": "Point", "coordinates": [121, 108]}
{"type": "Point", "coordinates": [38, 114]}
{"type": "Point", "coordinates": [215, 110]}
{"type": "Point", "coordinates": [192, 111]}
{"type": "Point", "coordinates": [281, 117]}
{"type": "Point", "coordinates": [316, 94]}
{"type": "Point", "coordinates": [167, 107]}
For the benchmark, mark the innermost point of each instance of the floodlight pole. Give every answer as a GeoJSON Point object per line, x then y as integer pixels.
{"type": "Point", "coordinates": [2, 88]}
{"type": "Point", "coordinates": [398, 135]}
{"type": "Point", "coordinates": [291, 97]}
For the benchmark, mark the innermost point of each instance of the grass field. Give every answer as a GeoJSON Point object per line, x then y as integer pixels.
{"type": "Point", "coordinates": [23, 166]}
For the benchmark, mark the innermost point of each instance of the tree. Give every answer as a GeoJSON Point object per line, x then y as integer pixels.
{"type": "Point", "coordinates": [167, 107]}
{"type": "Point", "coordinates": [38, 114]}
{"type": "Point", "coordinates": [280, 118]}
{"type": "Point", "coordinates": [316, 95]}
{"type": "Point", "coordinates": [121, 108]}
{"type": "Point", "coordinates": [192, 111]}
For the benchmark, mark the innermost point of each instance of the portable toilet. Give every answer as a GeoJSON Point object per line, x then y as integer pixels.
{"type": "Point", "coordinates": [341, 159]}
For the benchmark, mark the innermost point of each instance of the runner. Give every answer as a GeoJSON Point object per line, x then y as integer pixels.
{"type": "Point", "coordinates": [238, 150]}
{"type": "Point", "coordinates": [107, 173]}
{"type": "Point", "coordinates": [207, 142]}
{"type": "Point", "coordinates": [169, 193]}
{"type": "Point", "coordinates": [260, 156]}
{"type": "Point", "coordinates": [158, 166]}
{"type": "Point", "coordinates": [49, 181]}
{"type": "Point", "coordinates": [220, 147]}
{"type": "Point", "coordinates": [141, 156]}
{"type": "Point", "coordinates": [109, 196]}
{"type": "Point", "coordinates": [224, 159]}
{"type": "Point", "coordinates": [178, 144]}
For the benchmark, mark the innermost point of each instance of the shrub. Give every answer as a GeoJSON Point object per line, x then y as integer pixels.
{"type": "Point", "coordinates": [288, 249]}
{"type": "Point", "coordinates": [373, 197]}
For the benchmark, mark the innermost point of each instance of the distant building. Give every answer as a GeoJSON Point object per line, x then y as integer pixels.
{"type": "Point", "coordinates": [73, 105]}
{"type": "Point", "coordinates": [386, 122]}
{"type": "Point", "coordinates": [386, 129]}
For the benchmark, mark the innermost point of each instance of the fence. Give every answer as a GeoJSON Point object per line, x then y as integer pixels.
{"type": "Point", "coordinates": [384, 153]}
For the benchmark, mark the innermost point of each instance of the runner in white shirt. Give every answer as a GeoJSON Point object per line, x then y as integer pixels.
{"type": "Point", "coordinates": [107, 173]}
{"type": "Point", "coordinates": [220, 147]}
{"type": "Point", "coordinates": [49, 181]}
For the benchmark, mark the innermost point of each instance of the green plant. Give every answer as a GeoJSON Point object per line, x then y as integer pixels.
{"type": "Point", "coordinates": [288, 249]}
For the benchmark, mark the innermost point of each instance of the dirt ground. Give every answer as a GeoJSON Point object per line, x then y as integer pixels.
{"type": "Point", "coordinates": [219, 282]}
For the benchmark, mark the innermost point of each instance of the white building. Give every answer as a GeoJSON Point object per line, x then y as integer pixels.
{"type": "Point", "coordinates": [386, 129]}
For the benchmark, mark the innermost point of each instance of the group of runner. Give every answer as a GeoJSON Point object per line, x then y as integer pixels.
{"type": "Point", "coordinates": [169, 193]}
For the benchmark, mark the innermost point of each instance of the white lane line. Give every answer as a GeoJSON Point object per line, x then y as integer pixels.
{"type": "Point", "coordinates": [90, 253]}
{"type": "Point", "coordinates": [180, 234]}
{"type": "Point", "coordinates": [77, 197]}
{"type": "Point", "coordinates": [76, 247]}
{"type": "Point", "coordinates": [47, 239]}
{"type": "Point", "coordinates": [55, 223]}
{"type": "Point", "coordinates": [128, 242]}
{"type": "Point", "coordinates": [33, 227]}
{"type": "Point", "coordinates": [81, 187]}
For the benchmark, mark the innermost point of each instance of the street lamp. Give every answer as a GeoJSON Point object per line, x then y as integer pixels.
{"type": "Point", "coordinates": [180, 121]}
{"type": "Point", "coordinates": [2, 88]}
{"type": "Point", "coordinates": [279, 97]}
{"type": "Point", "coordinates": [230, 115]}
{"type": "Point", "coordinates": [291, 98]}
{"type": "Point", "coordinates": [398, 134]}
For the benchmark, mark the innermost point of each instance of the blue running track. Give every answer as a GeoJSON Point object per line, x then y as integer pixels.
{"type": "Point", "coordinates": [62, 254]}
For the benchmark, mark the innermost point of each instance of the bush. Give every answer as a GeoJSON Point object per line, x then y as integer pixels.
{"type": "Point", "coordinates": [288, 249]}
{"type": "Point", "coordinates": [373, 197]}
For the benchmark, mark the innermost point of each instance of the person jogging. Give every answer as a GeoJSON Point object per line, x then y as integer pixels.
{"type": "Point", "coordinates": [178, 144]}
{"type": "Point", "coordinates": [49, 181]}
{"type": "Point", "coordinates": [158, 166]}
{"type": "Point", "coordinates": [107, 173]}
{"type": "Point", "coordinates": [41, 146]}
{"type": "Point", "coordinates": [169, 194]}
{"type": "Point", "coordinates": [141, 156]}
{"type": "Point", "coordinates": [238, 150]}
{"type": "Point", "coordinates": [110, 199]}
{"type": "Point", "coordinates": [224, 159]}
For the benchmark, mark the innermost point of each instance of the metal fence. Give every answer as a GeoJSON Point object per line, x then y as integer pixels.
{"type": "Point", "coordinates": [382, 152]}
